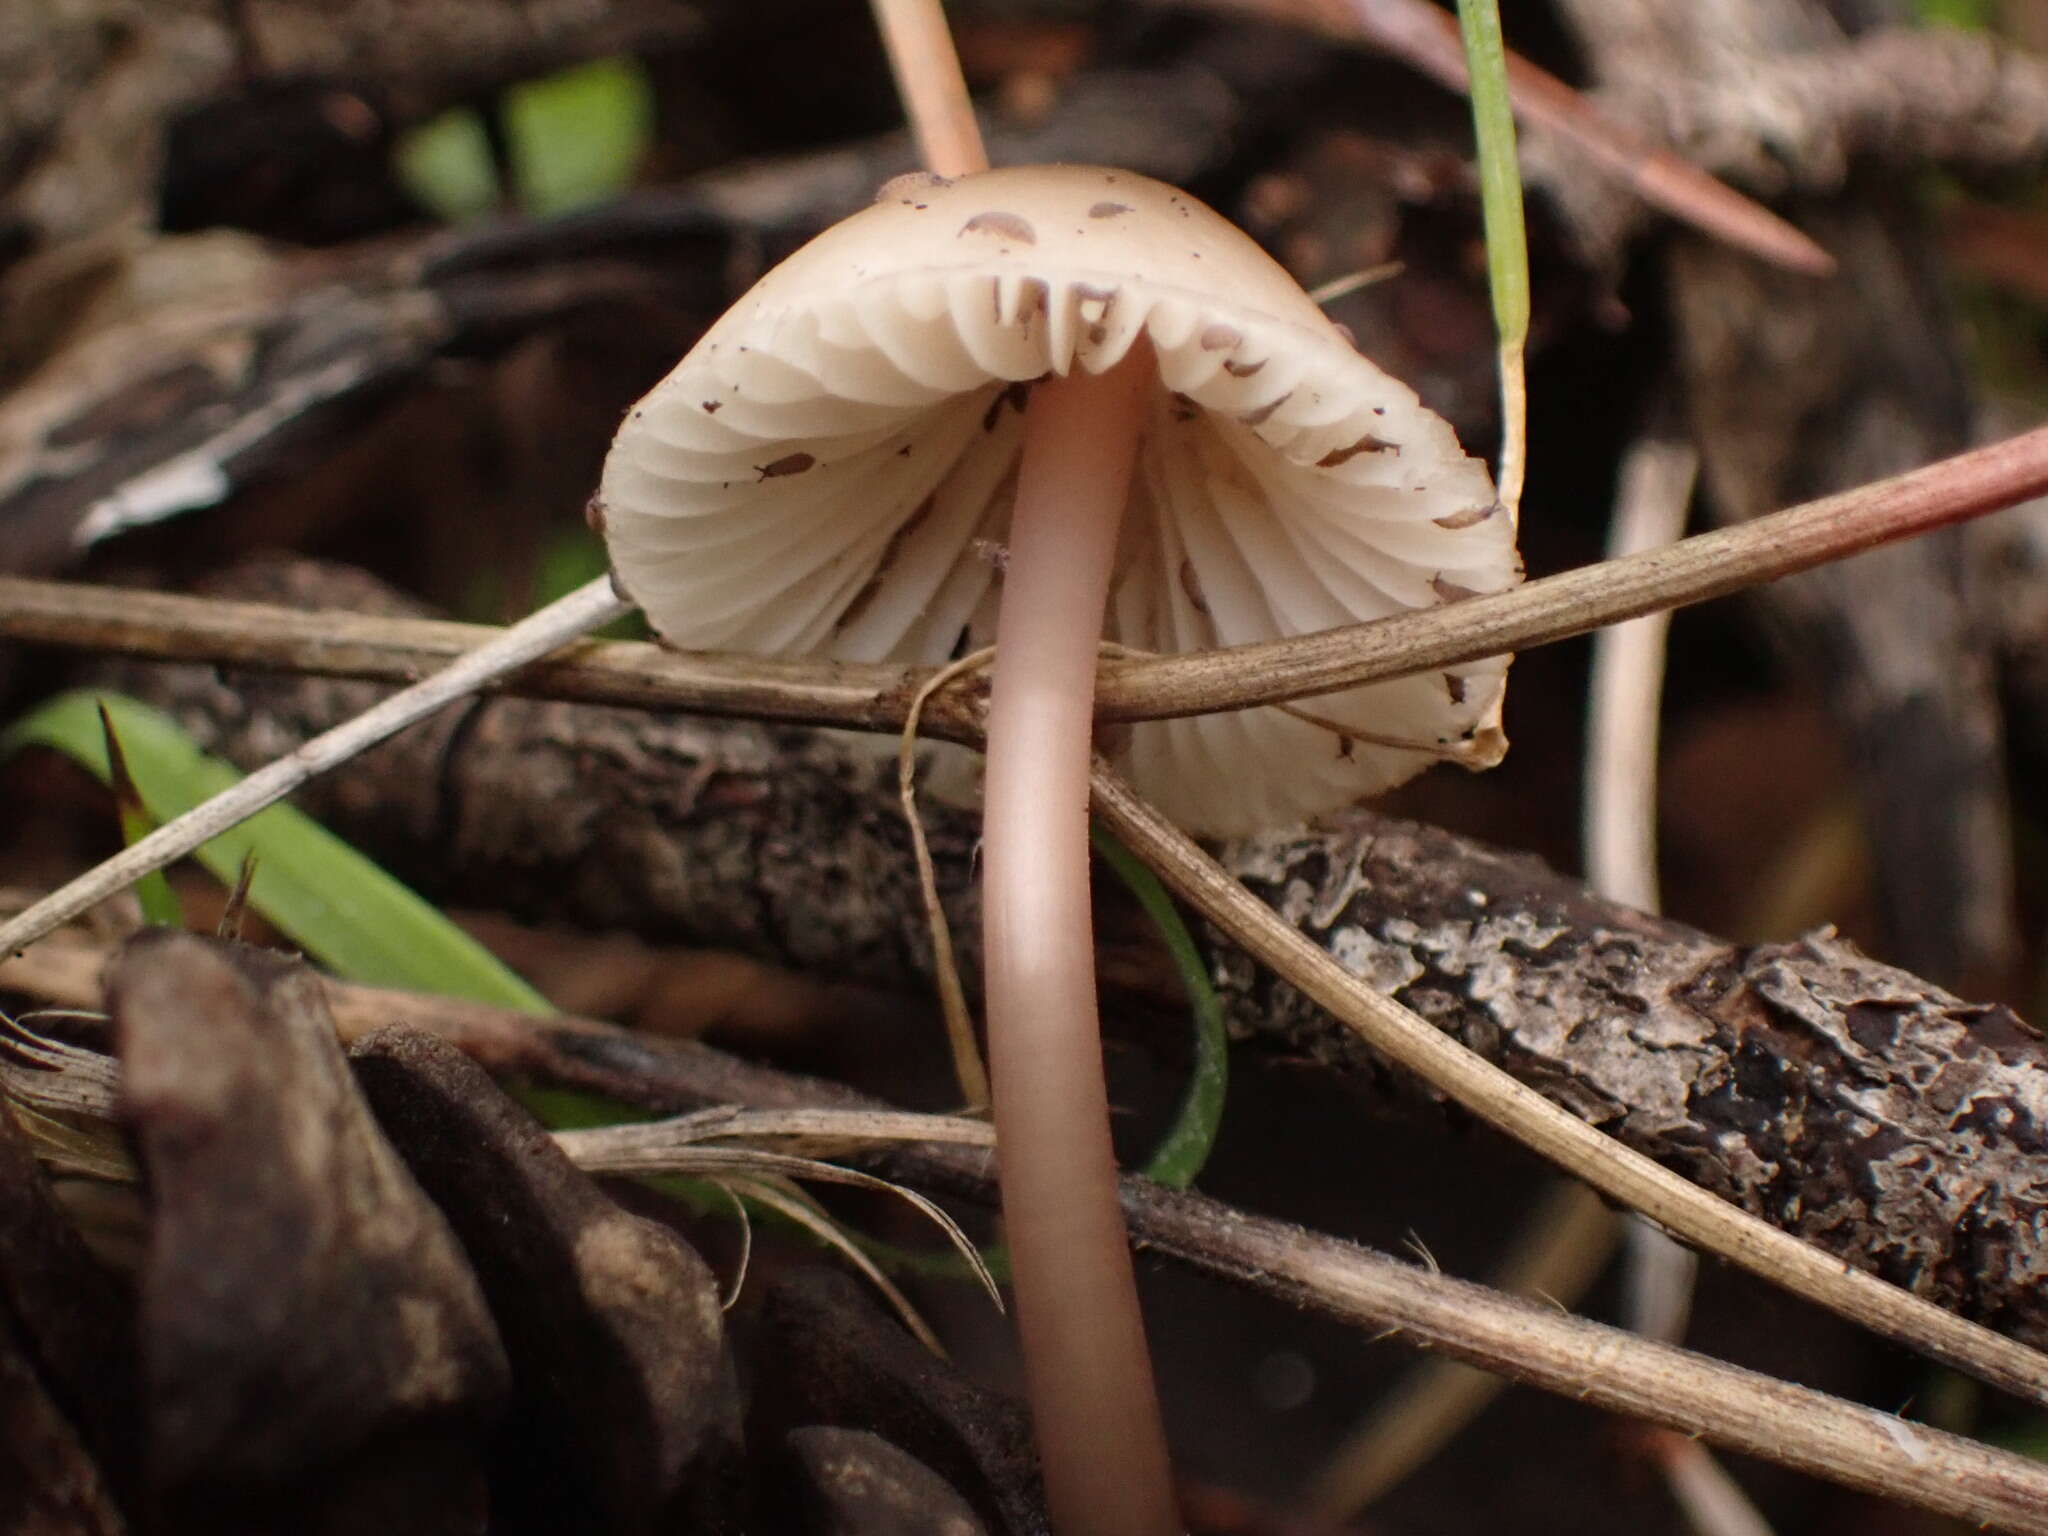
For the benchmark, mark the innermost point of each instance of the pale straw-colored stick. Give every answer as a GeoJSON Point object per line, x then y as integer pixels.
{"type": "Point", "coordinates": [934, 92]}
{"type": "Point", "coordinates": [587, 608]}
{"type": "Point", "coordinates": [1682, 1208]}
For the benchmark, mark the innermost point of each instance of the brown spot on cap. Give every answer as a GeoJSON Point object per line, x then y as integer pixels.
{"type": "Point", "coordinates": [1347, 747]}
{"type": "Point", "coordinates": [1449, 591]}
{"type": "Point", "coordinates": [1009, 226]}
{"type": "Point", "coordinates": [1191, 583]}
{"type": "Point", "coordinates": [711, 407]}
{"type": "Point", "coordinates": [593, 514]}
{"type": "Point", "coordinates": [1471, 517]}
{"type": "Point", "coordinates": [1243, 370]}
{"type": "Point", "coordinates": [1108, 210]}
{"type": "Point", "coordinates": [788, 464]}
{"type": "Point", "coordinates": [1366, 444]}
{"type": "Point", "coordinates": [1455, 686]}
{"type": "Point", "coordinates": [1220, 338]}
{"type": "Point", "coordinates": [1184, 409]}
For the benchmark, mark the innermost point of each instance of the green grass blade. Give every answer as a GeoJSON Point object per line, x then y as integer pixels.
{"type": "Point", "coordinates": [160, 907]}
{"type": "Point", "coordinates": [579, 136]}
{"type": "Point", "coordinates": [342, 909]}
{"type": "Point", "coordinates": [1507, 242]}
{"type": "Point", "coordinates": [1185, 1147]}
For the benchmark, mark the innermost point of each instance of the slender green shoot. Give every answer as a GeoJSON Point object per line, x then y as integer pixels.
{"type": "Point", "coordinates": [1185, 1147]}
{"type": "Point", "coordinates": [1507, 243]}
{"type": "Point", "coordinates": [160, 907]}
{"type": "Point", "coordinates": [339, 906]}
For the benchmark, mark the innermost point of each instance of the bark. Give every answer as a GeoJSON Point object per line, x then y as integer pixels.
{"type": "Point", "coordinates": [1855, 1103]}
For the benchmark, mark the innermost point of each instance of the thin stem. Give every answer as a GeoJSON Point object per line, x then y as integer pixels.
{"type": "Point", "coordinates": [1507, 243]}
{"type": "Point", "coordinates": [1566, 1246]}
{"type": "Point", "coordinates": [1628, 684]}
{"type": "Point", "coordinates": [928, 79]}
{"type": "Point", "coordinates": [1687, 1211]}
{"type": "Point", "coordinates": [1847, 1443]}
{"type": "Point", "coordinates": [1692, 570]}
{"type": "Point", "coordinates": [876, 697]}
{"type": "Point", "coordinates": [1085, 1363]}
{"type": "Point", "coordinates": [587, 608]}
{"type": "Point", "coordinates": [968, 1068]}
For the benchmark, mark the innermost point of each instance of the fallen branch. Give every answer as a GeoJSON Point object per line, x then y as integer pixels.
{"type": "Point", "coordinates": [876, 697]}
{"type": "Point", "coordinates": [1789, 1079]}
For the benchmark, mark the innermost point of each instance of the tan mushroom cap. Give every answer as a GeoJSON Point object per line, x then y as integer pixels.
{"type": "Point", "coordinates": [830, 472]}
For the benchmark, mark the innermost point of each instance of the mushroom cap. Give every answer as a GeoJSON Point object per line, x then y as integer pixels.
{"type": "Point", "coordinates": [830, 472]}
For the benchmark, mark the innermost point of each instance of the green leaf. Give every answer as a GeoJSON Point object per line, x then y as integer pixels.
{"type": "Point", "coordinates": [446, 164]}
{"type": "Point", "coordinates": [578, 136]}
{"type": "Point", "coordinates": [1974, 15]}
{"type": "Point", "coordinates": [341, 908]}
{"type": "Point", "coordinates": [160, 906]}
{"type": "Point", "coordinates": [1188, 1141]}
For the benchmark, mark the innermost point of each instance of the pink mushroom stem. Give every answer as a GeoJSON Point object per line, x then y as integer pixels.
{"type": "Point", "coordinates": [1087, 1369]}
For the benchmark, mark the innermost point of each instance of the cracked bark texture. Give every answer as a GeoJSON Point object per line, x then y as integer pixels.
{"type": "Point", "coordinates": [1854, 1103]}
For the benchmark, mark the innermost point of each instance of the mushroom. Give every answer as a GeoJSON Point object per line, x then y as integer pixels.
{"type": "Point", "coordinates": [1083, 398]}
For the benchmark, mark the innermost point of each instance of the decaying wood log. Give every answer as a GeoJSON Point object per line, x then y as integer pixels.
{"type": "Point", "coordinates": [1854, 1103]}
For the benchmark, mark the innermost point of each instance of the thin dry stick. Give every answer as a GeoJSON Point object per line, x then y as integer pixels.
{"type": "Point", "coordinates": [588, 608]}
{"type": "Point", "coordinates": [1791, 1426]}
{"type": "Point", "coordinates": [1713, 1502]}
{"type": "Point", "coordinates": [1707, 565]}
{"type": "Point", "coordinates": [1565, 1247]}
{"type": "Point", "coordinates": [1587, 1362]}
{"type": "Point", "coordinates": [1627, 693]}
{"type": "Point", "coordinates": [1618, 1172]}
{"type": "Point", "coordinates": [1654, 492]}
{"type": "Point", "coordinates": [873, 698]}
{"type": "Point", "coordinates": [1568, 1240]}
{"type": "Point", "coordinates": [968, 1068]}
{"type": "Point", "coordinates": [876, 697]}
{"type": "Point", "coordinates": [928, 79]}
{"type": "Point", "coordinates": [1427, 38]}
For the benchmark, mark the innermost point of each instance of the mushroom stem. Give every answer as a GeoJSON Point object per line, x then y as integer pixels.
{"type": "Point", "coordinates": [1086, 1367]}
